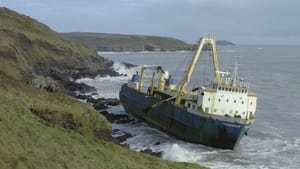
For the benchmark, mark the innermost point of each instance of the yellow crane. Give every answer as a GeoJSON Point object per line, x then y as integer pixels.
{"type": "Point", "coordinates": [202, 42]}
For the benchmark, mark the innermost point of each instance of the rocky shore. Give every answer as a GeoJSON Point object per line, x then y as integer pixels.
{"type": "Point", "coordinates": [101, 105]}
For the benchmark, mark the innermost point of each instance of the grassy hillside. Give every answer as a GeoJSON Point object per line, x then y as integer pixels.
{"type": "Point", "coordinates": [28, 47]}
{"type": "Point", "coordinates": [42, 129]}
{"type": "Point", "coordinates": [120, 43]}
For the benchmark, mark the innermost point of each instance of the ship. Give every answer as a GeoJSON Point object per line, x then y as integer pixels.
{"type": "Point", "coordinates": [217, 114]}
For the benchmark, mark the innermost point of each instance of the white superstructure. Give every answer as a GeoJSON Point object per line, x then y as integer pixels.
{"type": "Point", "coordinates": [228, 100]}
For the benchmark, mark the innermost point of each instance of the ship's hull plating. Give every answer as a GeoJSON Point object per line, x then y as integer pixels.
{"type": "Point", "coordinates": [214, 132]}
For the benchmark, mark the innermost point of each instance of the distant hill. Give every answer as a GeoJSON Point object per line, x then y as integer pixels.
{"type": "Point", "coordinates": [123, 43]}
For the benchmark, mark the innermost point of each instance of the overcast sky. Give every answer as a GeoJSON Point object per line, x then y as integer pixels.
{"type": "Point", "coordinates": [239, 21]}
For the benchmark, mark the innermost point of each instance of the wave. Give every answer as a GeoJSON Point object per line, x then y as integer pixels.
{"type": "Point", "coordinates": [122, 69]}
{"type": "Point", "coordinates": [178, 153]}
{"type": "Point", "coordinates": [108, 86]}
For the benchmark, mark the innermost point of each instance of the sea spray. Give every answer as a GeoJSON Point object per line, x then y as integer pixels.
{"type": "Point", "coordinates": [176, 152]}
{"type": "Point", "coordinates": [108, 86]}
{"type": "Point", "coordinates": [122, 69]}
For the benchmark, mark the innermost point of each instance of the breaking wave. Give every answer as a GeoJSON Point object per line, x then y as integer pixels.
{"type": "Point", "coordinates": [108, 86]}
{"type": "Point", "coordinates": [123, 69]}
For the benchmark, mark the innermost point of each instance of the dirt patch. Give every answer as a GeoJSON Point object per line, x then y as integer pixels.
{"type": "Point", "coordinates": [65, 121]}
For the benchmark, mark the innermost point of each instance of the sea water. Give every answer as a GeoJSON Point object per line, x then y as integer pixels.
{"type": "Point", "coordinates": [273, 73]}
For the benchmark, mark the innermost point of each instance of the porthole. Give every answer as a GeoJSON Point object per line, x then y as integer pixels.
{"type": "Point", "coordinates": [227, 100]}
{"type": "Point", "coordinates": [242, 102]}
{"type": "Point", "coordinates": [234, 101]}
{"type": "Point", "coordinates": [219, 100]}
{"type": "Point", "coordinates": [208, 99]}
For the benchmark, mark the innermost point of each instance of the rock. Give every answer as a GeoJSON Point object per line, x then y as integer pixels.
{"type": "Point", "coordinates": [102, 103]}
{"type": "Point", "coordinates": [123, 138]}
{"type": "Point", "coordinates": [95, 101]}
{"type": "Point", "coordinates": [44, 83]}
{"type": "Point", "coordinates": [112, 102]}
{"type": "Point", "coordinates": [149, 151]}
{"type": "Point", "coordinates": [116, 130]}
{"type": "Point", "coordinates": [118, 118]}
{"type": "Point", "coordinates": [82, 97]}
{"type": "Point", "coordinates": [157, 143]}
{"type": "Point", "coordinates": [124, 120]}
{"type": "Point", "coordinates": [80, 87]}
{"type": "Point", "coordinates": [100, 106]}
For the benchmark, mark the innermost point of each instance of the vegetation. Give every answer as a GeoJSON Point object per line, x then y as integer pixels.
{"type": "Point", "coordinates": [42, 129]}
{"type": "Point", "coordinates": [30, 47]}
{"type": "Point", "coordinates": [29, 141]}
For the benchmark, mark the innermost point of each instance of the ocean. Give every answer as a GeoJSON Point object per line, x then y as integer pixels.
{"type": "Point", "coordinates": [273, 73]}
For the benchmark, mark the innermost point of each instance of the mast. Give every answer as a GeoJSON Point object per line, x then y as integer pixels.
{"type": "Point", "coordinates": [235, 75]}
{"type": "Point", "coordinates": [141, 83]}
{"type": "Point", "coordinates": [189, 72]}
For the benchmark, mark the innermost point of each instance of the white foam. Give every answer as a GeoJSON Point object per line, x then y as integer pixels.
{"type": "Point", "coordinates": [122, 69]}
{"type": "Point", "coordinates": [177, 153]}
{"type": "Point", "coordinates": [107, 86]}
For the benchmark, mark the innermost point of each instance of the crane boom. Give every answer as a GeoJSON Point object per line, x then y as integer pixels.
{"type": "Point", "coordinates": [203, 41]}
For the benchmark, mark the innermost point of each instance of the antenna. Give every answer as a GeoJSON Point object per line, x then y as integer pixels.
{"type": "Point", "coordinates": [235, 73]}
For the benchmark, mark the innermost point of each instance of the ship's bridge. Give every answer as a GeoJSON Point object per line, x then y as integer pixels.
{"type": "Point", "coordinates": [228, 97]}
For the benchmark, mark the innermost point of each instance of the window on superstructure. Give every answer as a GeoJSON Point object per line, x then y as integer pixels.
{"type": "Point", "coordinates": [208, 99]}
{"type": "Point", "coordinates": [226, 89]}
{"type": "Point", "coordinates": [219, 88]}
{"type": "Point", "coordinates": [230, 89]}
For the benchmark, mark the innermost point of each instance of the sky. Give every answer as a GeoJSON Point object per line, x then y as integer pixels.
{"type": "Point", "coordinates": [274, 22]}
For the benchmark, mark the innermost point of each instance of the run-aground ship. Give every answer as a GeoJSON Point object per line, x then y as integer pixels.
{"type": "Point", "coordinates": [216, 115]}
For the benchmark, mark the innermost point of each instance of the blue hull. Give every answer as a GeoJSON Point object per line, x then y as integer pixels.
{"type": "Point", "coordinates": [214, 132]}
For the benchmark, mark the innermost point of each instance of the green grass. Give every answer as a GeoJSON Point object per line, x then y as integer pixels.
{"type": "Point", "coordinates": [33, 45]}
{"type": "Point", "coordinates": [30, 142]}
